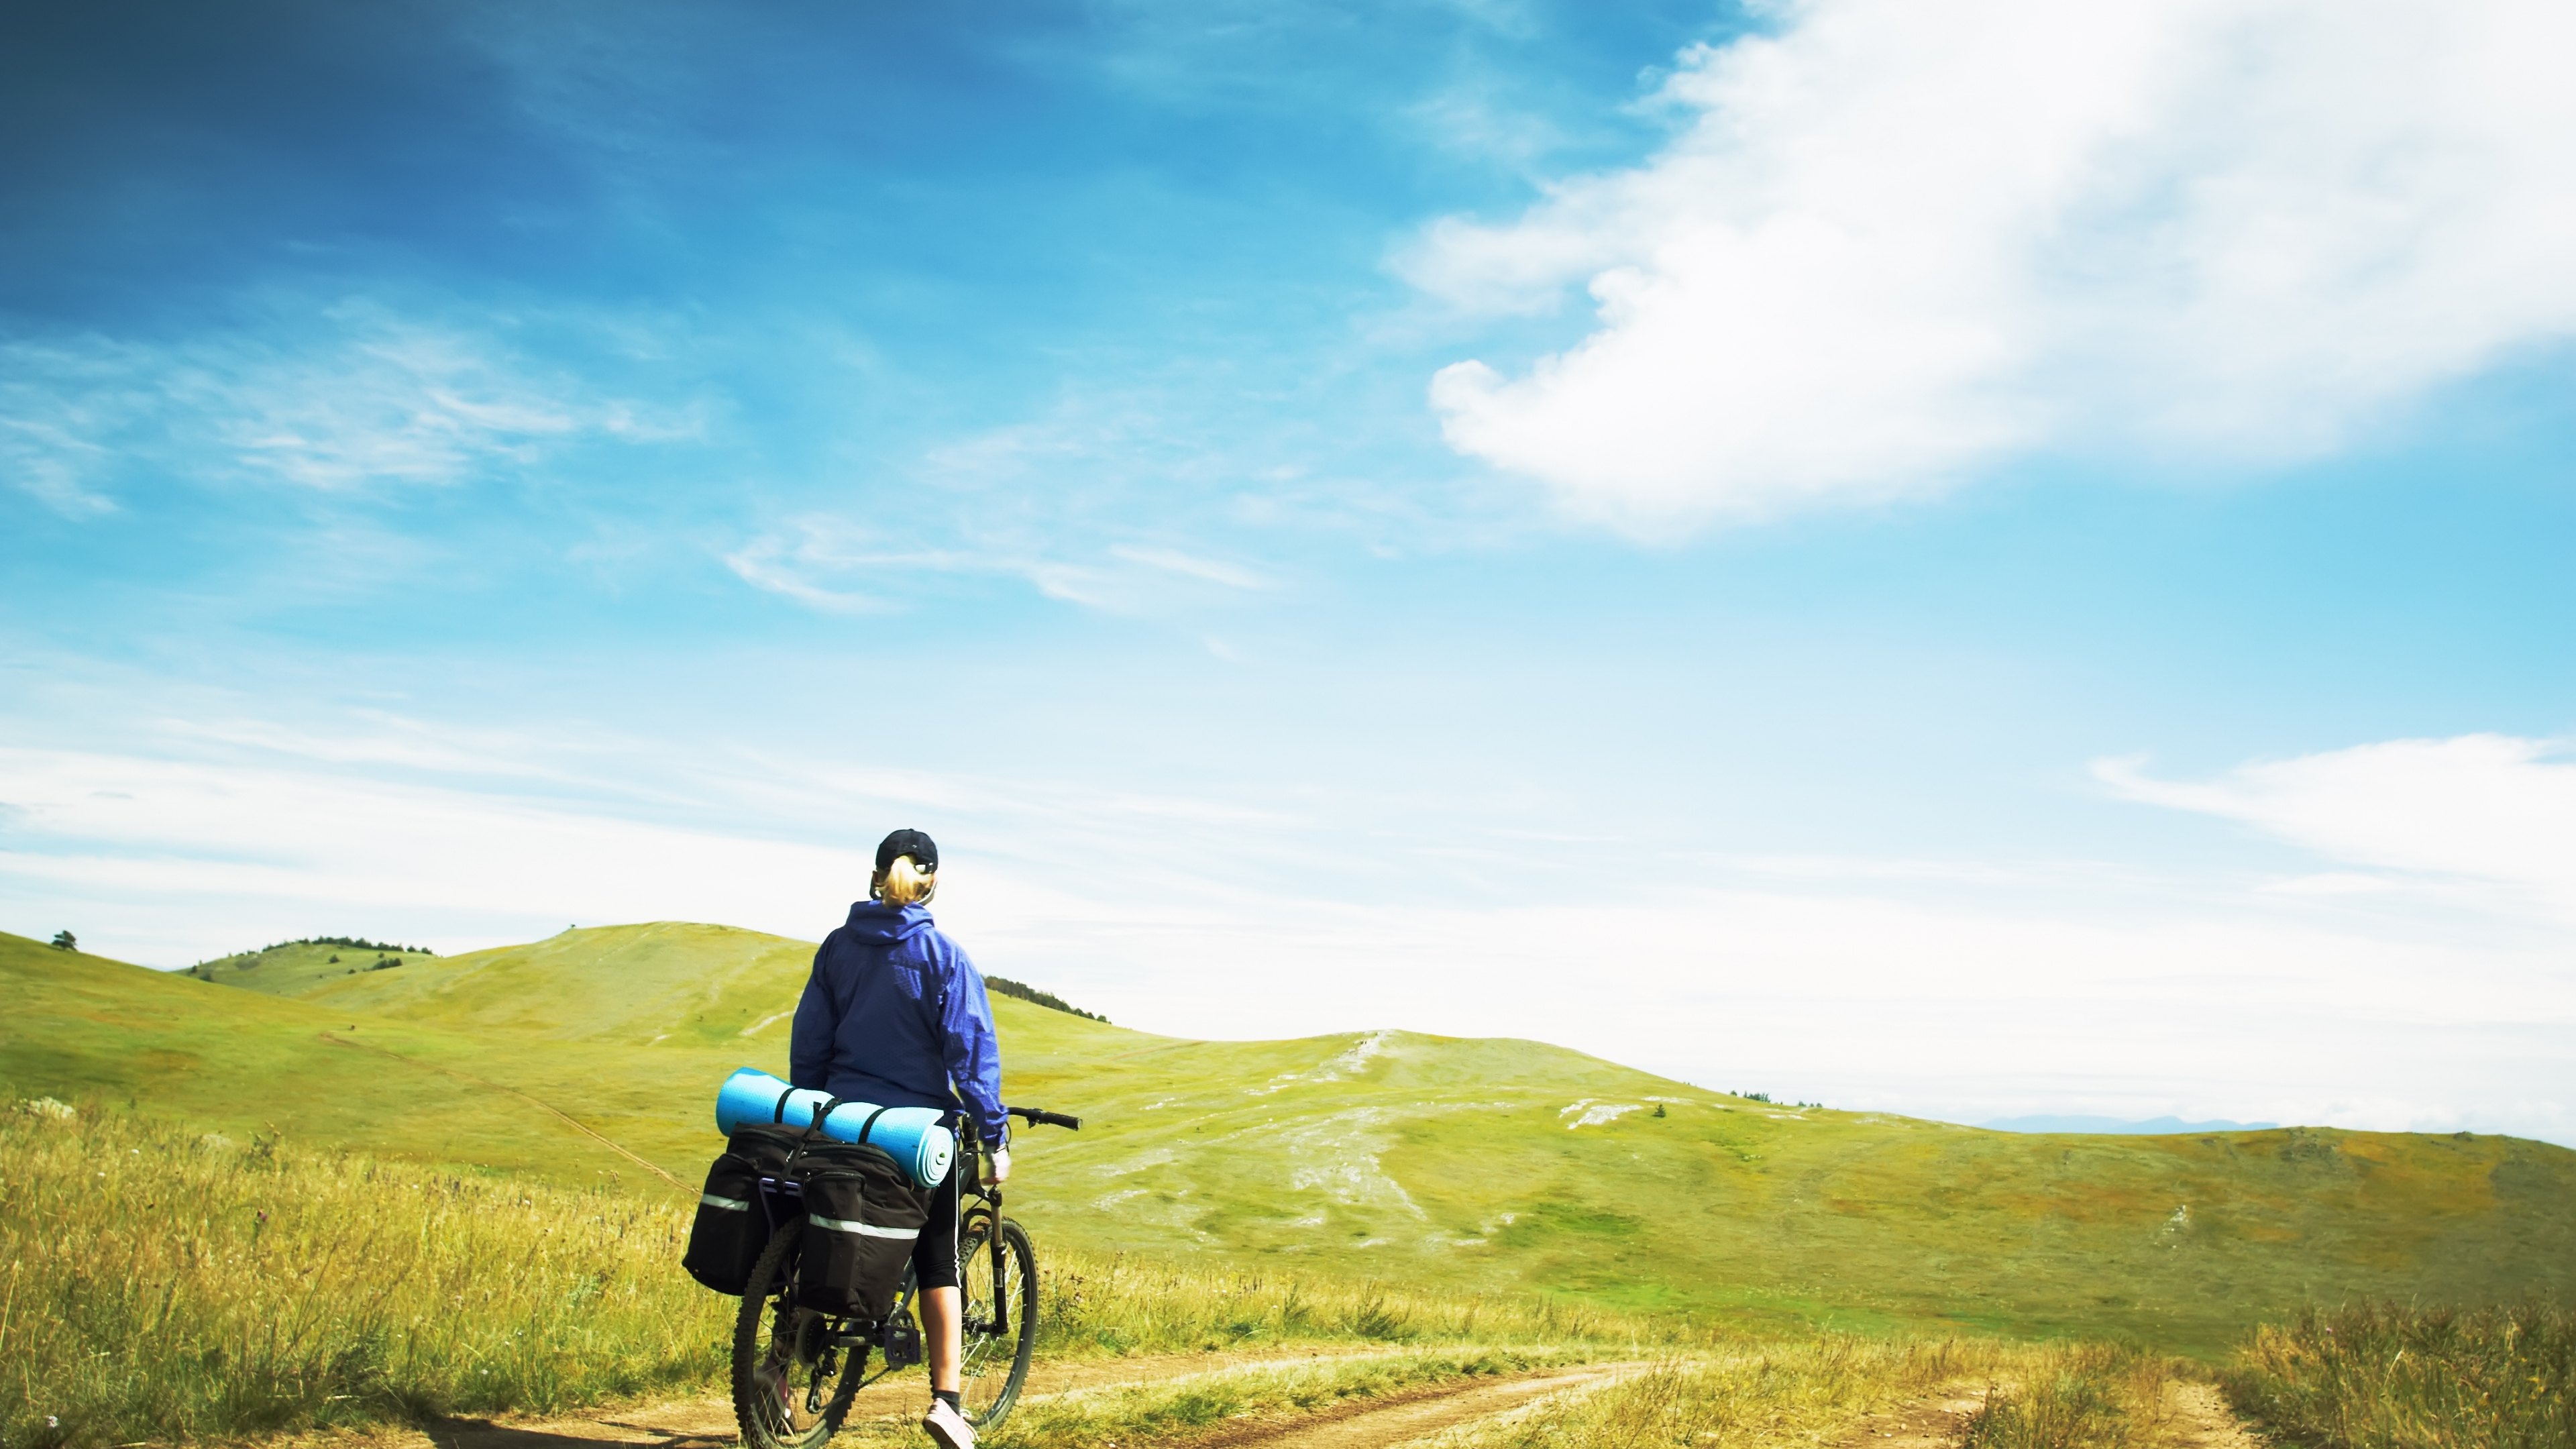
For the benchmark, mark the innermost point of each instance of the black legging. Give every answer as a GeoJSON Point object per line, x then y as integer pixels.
{"type": "Point", "coordinates": [934, 1253]}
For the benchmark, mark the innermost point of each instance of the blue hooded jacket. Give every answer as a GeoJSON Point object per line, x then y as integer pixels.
{"type": "Point", "coordinates": [895, 1014]}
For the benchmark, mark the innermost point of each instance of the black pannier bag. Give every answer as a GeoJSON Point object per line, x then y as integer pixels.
{"type": "Point", "coordinates": [862, 1217]}
{"type": "Point", "coordinates": [731, 1226]}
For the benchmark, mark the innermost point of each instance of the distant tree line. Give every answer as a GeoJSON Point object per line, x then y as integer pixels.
{"type": "Point", "coordinates": [354, 943]}
{"type": "Point", "coordinates": [1766, 1097]}
{"type": "Point", "coordinates": [1048, 999]}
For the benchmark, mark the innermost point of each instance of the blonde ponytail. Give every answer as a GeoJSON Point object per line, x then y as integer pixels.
{"type": "Point", "coordinates": [905, 883]}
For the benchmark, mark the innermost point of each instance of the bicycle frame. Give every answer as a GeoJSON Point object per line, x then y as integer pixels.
{"type": "Point", "coordinates": [970, 1167]}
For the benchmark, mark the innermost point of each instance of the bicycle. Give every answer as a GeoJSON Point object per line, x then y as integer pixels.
{"type": "Point", "coordinates": [796, 1369]}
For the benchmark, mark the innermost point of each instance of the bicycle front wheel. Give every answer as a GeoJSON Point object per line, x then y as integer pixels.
{"type": "Point", "coordinates": [1000, 1313]}
{"type": "Point", "coordinates": [792, 1384]}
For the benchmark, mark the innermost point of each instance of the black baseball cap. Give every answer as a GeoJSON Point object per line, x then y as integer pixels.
{"type": "Point", "coordinates": [923, 850]}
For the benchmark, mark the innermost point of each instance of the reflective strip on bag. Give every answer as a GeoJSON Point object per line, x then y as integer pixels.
{"type": "Point", "coordinates": [843, 1225]}
{"type": "Point", "coordinates": [729, 1204]}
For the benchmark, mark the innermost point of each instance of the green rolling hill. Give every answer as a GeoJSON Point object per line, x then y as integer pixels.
{"type": "Point", "coordinates": [296, 967]}
{"type": "Point", "coordinates": [1457, 1162]}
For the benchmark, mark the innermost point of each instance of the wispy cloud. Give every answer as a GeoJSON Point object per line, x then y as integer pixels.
{"type": "Point", "coordinates": [785, 563]}
{"type": "Point", "coordinates": [58, 405]}
{"type": "Point", "coordinates": [1898, 242]}
{"type": "Point", "coordinates": [839, 565]}
{"type": "Point", "coordinates": [352, 398]}
{"type": "Point", "coordinates": [2483, 809]}
{"type": "Point", "coordinates": [50, 465]}
{"type": "Point", "coordinates": [1191, 566]}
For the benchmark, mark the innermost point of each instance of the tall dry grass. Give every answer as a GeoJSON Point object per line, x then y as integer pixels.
{"type": "Point", "coordinates": [163, 1284]}
{"type": "Point", "coordinates": [2388, 1376]}
{"type": "Point", "coordinates": [2100, 1395]}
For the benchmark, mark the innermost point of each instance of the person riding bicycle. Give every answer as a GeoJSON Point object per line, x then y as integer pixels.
{"type": "Point", "coordinates": [896, 1015]}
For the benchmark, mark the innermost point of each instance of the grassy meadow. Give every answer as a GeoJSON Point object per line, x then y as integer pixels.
{"type": "Point", "coordinates": [168, 1285]}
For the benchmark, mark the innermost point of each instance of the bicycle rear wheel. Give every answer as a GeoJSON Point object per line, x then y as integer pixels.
{"type": "Point", "coordinates": [1000, 1312]}
{"type": "Point", "coordinates": [792, 1384]}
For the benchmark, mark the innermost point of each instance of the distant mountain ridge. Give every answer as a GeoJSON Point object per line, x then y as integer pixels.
{"type": "Point", "coordinates": [2114, 1126]}
{"type": "Point", "coordinates": [592, 1057]}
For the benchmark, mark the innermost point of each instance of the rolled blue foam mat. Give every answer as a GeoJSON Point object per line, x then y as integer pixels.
{"type": "Point", "coordinates": [915, 1135]}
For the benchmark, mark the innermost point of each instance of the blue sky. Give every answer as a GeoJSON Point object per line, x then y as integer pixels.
{"type": "Point", "coordinates": [1969, 564]}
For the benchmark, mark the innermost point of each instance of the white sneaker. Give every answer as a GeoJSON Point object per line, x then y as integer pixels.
{"type": "Point", "coordinates": [948, 1426]}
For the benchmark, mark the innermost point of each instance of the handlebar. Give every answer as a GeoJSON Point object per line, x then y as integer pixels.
{"type": "Point", "coordinates": [1037, 1118]}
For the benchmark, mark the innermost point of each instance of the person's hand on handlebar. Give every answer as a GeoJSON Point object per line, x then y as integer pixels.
{"type": "Point", "coordinates": [997, 1167]}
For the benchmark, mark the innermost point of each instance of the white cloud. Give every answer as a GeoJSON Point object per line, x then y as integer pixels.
{"type": "Point", "coordinates": [2485, 809]}
{"type": "Point", "coordinates": [1897, 241]}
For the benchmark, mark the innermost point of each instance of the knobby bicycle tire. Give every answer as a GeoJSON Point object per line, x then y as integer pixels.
{"type": "Point", "coordinates": [791, 1385]}
{"type": "Point", "coordinates": [1000, 1328]}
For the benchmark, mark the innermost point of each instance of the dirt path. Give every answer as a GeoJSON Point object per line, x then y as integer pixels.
{"type": "Point", "coordinates": [1383, 1423]}
{"type": "Point", "coordinates": [2202, 1420]}
{"type": "Point", "coordinates": [1928, 1423]}
{"type": "Point", "coordinates": [706, 1422]}
{"type": "Point", "coordinates": [2208, 1423]}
